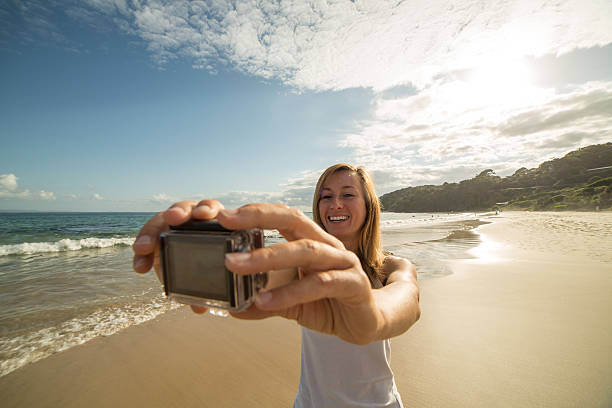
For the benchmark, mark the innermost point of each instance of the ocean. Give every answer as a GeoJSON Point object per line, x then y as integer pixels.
{"type": "Point", "coordinates": [66, 278]}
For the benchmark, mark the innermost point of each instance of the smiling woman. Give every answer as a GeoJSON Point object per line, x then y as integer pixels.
{"type": "Point", "coordinates": [350, 297]}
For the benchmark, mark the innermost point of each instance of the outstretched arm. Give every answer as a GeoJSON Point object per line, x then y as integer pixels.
{"type": "Point", "coordinates": [398, 301]}
{"type": "Point", "coordinates": [332, 296]}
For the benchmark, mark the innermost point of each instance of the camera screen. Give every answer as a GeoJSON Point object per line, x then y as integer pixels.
{"type": "Point", "coordinates": [198, 267]}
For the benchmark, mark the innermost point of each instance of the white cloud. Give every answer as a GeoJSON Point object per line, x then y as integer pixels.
{"type": "Point", "coordinates": [16, 194]}
{"type": "Point", "coordinates": [46, 195]}
{"type": "Point", "coordinates": [442, 134]}
{"type": "Point", "coordinates": [337, 44]}
{"type": "Point", "coordinates": [9, 189]}
{"type": "Point", "coordinates": [8, 182]}
{"type": "Point", "coordinates": [163, 198]}
{"type": "Point", "coordinates": [235, 199]}
{"type": "Point", "coordinates": [291, 195]}
{"type": "Point", "coordinates": [96, 196]}
{"type": "Point", "coordinates": [109, 6]}
{"type": "Point", "coordinates": [297, 192]}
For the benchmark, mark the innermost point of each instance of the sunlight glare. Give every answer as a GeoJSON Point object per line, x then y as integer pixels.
{"type": "Point", "coordinates": [499, 82]}
{"type": "Point", "coordinates": [488, 251]}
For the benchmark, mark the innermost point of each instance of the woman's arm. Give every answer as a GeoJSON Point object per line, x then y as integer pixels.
{"type": "Point", "coordinates": [398, 301]}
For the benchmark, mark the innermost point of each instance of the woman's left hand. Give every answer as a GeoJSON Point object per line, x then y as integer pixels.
{"type": "Point", "coordinates": [333, 294]}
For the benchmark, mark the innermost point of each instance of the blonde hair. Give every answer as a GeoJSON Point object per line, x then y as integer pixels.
{"type": "Point", "coordinates": [370, 250]}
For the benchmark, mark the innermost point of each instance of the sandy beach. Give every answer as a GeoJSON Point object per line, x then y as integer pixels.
{"type": "Point", "coordinates": [525, 323]}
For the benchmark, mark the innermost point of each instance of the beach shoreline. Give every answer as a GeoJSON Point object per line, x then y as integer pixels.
{"type": "Point", "coordinates": [523, 323]}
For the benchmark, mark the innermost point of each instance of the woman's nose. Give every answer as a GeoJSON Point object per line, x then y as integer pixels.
{"type": "Point", "coordinates": [337, 202]}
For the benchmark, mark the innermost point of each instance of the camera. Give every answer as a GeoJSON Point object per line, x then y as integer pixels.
{"type": "Point", "coordinates": [193, 268]}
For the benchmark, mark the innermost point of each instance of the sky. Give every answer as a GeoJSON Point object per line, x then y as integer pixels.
{"type": "Point", "coordinates": [131, 105]}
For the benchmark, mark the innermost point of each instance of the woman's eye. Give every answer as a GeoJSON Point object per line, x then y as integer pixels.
{"type": "Point", "coordinates": [348, 195]}
{"type": "Point", "coordinates": [325, 197]}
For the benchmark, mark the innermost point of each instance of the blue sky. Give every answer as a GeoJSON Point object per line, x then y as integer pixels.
{"type": "Point", "coordinates": [130, 105]}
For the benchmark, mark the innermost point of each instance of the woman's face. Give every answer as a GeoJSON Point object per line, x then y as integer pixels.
{"type": "Point", "coordinates": [342, 205]}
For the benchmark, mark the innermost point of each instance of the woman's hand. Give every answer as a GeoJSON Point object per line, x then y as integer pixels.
{"type": "Point", "coordinates": [333, 294]}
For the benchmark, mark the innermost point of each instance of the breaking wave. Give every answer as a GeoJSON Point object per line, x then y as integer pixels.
{"type": "Point", "coordinates": [66, 244]}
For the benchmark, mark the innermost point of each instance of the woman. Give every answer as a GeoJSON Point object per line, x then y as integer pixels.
{"type": "Point", "coordinates": [350, 298]}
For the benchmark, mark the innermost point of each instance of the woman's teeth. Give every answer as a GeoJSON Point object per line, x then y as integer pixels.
{"type": "Point", "coordinates": [338, 218]}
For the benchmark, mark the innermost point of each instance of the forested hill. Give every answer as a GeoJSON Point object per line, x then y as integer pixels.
{"type": "Point", "coordinates": [573, 182]}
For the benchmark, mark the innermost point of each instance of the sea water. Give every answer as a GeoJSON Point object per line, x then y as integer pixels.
{"type": "Point", "coordinates": [66, 278]}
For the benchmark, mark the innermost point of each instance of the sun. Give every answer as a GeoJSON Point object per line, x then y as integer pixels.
{"type": "Point", "coordinates": [488, 90]}
{"type": "Point", "coordinates": [499, 81]}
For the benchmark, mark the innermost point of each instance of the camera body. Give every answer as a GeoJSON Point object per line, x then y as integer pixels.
{"type": "Point", "coordinates": [193, 265]}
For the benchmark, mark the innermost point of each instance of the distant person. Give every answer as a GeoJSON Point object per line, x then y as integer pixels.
{"type": "Point", "coordinates": [351, 297]}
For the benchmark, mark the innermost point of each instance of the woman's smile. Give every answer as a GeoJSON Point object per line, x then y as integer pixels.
{"type": "Point", "coordinates": [338, 218]}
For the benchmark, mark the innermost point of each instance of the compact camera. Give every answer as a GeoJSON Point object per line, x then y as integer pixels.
{"type": "Point", "coordinates": [192, 260]}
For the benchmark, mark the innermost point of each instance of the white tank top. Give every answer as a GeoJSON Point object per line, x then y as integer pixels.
{"type": "Point", "coordinates": [335, 373]}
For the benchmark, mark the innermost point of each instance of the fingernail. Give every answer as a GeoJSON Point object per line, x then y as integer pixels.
{"type": "Point", "coordinates": [230, 212]}
{"type": "Point", "coordinates": [238, 257]}
{"type": "Point", "coordinates": [202, 208]}
{"type": "Point", "coordinates": [263, 297]}
{"type": "Point", "coordinates": [143, 240]}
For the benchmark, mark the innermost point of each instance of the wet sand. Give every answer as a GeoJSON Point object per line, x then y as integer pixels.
{"type": "Point", "coordinates": [526, 323]}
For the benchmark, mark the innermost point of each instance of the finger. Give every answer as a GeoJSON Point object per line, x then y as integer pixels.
{"type": "Point", "coordinates": [146, 242]}
{"type": "Point", "coordinates": [148, 234]}
{"type": "Point", "coordinates": [253, 313]}
{"type": "Point", "coordinates": [290, 222]}
{"type": "Point", "coordinates": [157, 264]}
{"type": "Point", "coordinates": [142, 263]}
{"type": "Point", "coordinates": [179, 212]}
{"type": "Point", "coordinates": [206, 209]}
{"type": "Point", "coordinates": [199, 309]}
{"type": "Point", "coordinates": [305, 253]}
{"type": "Point", "coordinates": [345, 285]}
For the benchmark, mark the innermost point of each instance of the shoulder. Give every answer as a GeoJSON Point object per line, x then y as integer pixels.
{"type": "Point", "coordinates": [397, 268]}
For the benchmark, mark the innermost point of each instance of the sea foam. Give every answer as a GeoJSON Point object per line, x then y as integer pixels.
{"type": "Point", "coordinates": [63, 245]}
{"type": "Point", "coordinates": [30, 347]}
{"type": "Point", "coordinates": [389, 221]}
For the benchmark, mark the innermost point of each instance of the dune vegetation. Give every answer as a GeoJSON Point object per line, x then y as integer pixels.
{"type": "Point", "coordinates": [581, 180]}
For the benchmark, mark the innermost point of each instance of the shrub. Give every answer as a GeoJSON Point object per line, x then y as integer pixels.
{"type": "Point", "coordinates": [593, 179]}
{"type": "Point", "coordinates": [601, 182]}
{"type": "Point", "coordinates": [558, 198]}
